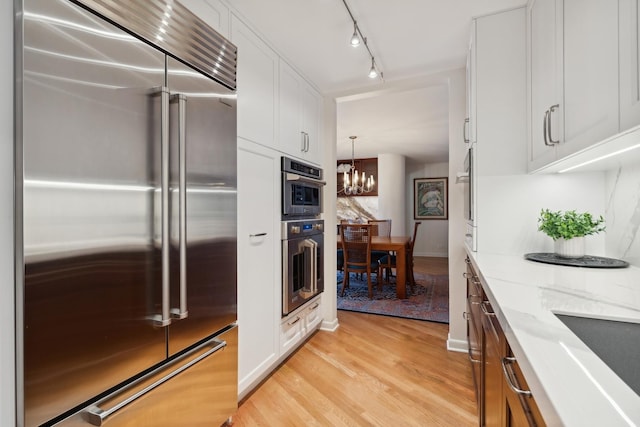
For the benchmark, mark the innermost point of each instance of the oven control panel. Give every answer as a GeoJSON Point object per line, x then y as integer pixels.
{"type": "Point", "coordinates": [299, 228]}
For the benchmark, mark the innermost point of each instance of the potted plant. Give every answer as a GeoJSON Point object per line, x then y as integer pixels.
{"type": "Point", "coordinates": [567, 229]}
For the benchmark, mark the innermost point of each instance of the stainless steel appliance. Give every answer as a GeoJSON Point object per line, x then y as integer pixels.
{"type": "Point", "coordinates": [126, 215]}
{"type": "Point", "coordinates": [302, 262]}
{"type": "Point", "coordinates": [301, 189]}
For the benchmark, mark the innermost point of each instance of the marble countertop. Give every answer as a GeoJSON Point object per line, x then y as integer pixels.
{"type": "Point", "coordinates": [571, 385]}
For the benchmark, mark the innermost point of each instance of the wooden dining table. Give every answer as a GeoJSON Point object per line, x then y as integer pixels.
{"type": "Point", "coordinates": [397, 244]}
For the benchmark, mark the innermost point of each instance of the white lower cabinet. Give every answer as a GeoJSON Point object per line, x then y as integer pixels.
{"type": "Point", "coordinates": [298, 325]}
{"type": "Point", "coordinates": [259, 290]}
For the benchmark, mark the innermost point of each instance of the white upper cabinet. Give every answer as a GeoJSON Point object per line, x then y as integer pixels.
{"type": "Point", "coordinates": [573, 76]}
{"type": "Point", "coordinates": [469, 129]}
{"type": "Point", "coordinates": [629, 70]}
{"type": "Point", "coordinates": [257, 86]}
{"type": "Point", "coordinates": [590, 72]}
{"type": "Point", "coordinates": [544, 70]}
{"type": "Point", "coordinates": [213, 12]}
{"type": "Point", "coordinates": [300, 113]}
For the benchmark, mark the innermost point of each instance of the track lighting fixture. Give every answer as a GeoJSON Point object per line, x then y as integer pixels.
{"type": "Point", "coordinates": [358, 38]}
{"type": "Point", "coordinates": [373, 73]}
{"type": "Point", "coordinates": [355, 40]}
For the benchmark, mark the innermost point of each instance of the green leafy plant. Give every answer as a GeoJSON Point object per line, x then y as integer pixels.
{"type": "Point", "coordinates": [569, 224]}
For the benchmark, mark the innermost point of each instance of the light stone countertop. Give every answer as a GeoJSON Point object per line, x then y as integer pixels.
{"type": "Point", "coordinates": [571, 385]}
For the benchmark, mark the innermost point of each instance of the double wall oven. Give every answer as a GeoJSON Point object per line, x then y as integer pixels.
{"type": "Point", "coordinates": [302, 234]}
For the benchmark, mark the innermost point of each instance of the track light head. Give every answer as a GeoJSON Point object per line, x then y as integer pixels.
{"type": "Point", "coordinates": [373, 73]}
{"type": "Point", "coordinates": [355, 40]}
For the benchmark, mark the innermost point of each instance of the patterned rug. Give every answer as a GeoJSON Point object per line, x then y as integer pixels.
{"type": "Point", "coordinates": [429, 301]}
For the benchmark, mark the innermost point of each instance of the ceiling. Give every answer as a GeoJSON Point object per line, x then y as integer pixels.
{"type": "Point", "coordinates": [409, 39]}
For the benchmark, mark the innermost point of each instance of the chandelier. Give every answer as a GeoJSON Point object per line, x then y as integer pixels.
{"type": "Point", "coordinates": [353, 183]}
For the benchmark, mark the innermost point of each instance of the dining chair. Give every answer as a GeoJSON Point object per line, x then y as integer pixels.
{"type": "Point", "coordinates": [356, 248]}
{"type": "Point", "coordinates": [380, 227]}
{"type": "Point", "coordinates": [389, 262]}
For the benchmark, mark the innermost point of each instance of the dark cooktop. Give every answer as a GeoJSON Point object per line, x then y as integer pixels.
{"type": "Point", "coordinates": [585, 261]}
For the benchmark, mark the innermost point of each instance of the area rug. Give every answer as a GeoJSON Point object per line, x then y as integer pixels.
{"type": "Point", "coordinates": [428, 301]}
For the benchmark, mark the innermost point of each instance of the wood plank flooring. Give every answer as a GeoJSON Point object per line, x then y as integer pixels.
{"type": "Point", "coordinates": [373, 371]}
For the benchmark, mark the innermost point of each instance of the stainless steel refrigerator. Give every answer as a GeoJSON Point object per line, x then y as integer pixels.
{"type": "Point", "coordinates": [126, 215]}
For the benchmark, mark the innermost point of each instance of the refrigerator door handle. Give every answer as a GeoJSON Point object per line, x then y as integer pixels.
{"type": "Point", "coordinates": [98, 416]}
{"type": "Point", "coordinates": [181, 312]}
{"type": "Point", "coordinates": [164, 319]}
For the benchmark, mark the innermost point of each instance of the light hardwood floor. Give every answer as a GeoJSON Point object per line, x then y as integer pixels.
{"type": "Point", "coordinates": [373, 371]}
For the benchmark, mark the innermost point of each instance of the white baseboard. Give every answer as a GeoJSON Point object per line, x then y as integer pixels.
{"type": "Point", "coordinates": [457, 345]}
{"type": "Point", "coordinates": [329, 325]}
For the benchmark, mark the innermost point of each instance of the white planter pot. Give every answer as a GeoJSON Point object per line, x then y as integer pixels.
{"type": "Point", "coordinates": [572, 248]}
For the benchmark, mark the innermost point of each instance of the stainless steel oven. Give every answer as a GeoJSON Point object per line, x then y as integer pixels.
{"type": "Point", "coordinates": [302, 262]}
{"type": "Point", "coordinates": [301, 189]}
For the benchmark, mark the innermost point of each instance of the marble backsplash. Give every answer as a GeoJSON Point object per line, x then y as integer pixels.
{"type": "Point", "coordinates": [361, 208]}
{"type": "Point", "coordinates": [623, 213]}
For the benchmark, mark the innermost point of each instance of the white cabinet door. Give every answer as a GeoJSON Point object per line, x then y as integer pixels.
{"type": "Point", "coordinates": [469, 130]}
{"type": "Point", "coordinates": [629, 36]}
{"type": "Point", "coordinates": [590, 73]}
{"type": "Point", "coordinates": [300, 112]}
{"type": "Point", "coordinates": [291, 332]}
{"type": "Point", "coordinates": [292, 139]}
{"type": "Point", "coordinates": [573, 77]}
{"type": "Point", "coordinates": [313, 317]}
{"type": "Point", "coordinates": [311, 113]}
{"type": "Point", "coordinates": [544, 68]}
{"type": "Point", "coordinates": [257, 85]}
{"type": "Point", "coordinates": [213, 12]}
{"type": "Point", "coordinates": [259, 274]}
{"type": "Point", "coordinates": [298, 325]}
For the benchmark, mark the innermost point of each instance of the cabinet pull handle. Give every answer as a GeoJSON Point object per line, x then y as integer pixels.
{"type": "Point", "coordinates": [258, 235]}
{"type": "Point", "coordinates": [510, 376]}
{"type": "Point", "coordinates": [464, 130]}
{"type": "Point", "coordinates": [316, 305]}
{"type": "Point", "coordinates": [551, 110]}
{"type": "Point", "coordinates": [471, 359]}
{"type": "Point", "coordinates": [486, 312]}
{"type": "Point", "coordinates": [303, 142]}
{"type": "Point", "coordinates": [544, 128]}
{"type": "Point", "coordinates": [294, 322]}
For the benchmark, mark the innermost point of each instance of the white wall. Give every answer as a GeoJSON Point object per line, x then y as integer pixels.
{"type": "Point", "coordinates": [457, 225]}
{"type": "Point", "coordinates": [433, 234]}
{"type": "Point", "coordinates": [7, 316]}
{"type": "Point", "coordinates": [391, 191]}
{"type": "Point", "coordinates": [509, 207]}
{"type": "Point", "coordinates": [328, 138]}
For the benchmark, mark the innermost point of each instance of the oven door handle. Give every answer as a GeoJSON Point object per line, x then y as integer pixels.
{"type": "Point", "coordinates": [294, 177]}
{"type": "Point", "coordinates": [312, 246]}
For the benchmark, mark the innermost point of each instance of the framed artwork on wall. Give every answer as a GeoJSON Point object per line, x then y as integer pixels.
{"type": "Point", "coordinates": [430, 198]}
